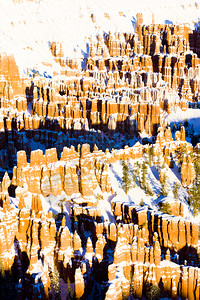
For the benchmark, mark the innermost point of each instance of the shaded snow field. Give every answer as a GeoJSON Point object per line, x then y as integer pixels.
{"type": "Point", "coordinates": [28, 28]}
{"type": "Point", "coordinates": [191, 115]}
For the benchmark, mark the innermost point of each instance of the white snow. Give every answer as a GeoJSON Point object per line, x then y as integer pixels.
{"type": "Point", "coordinates": [136, 194]}
{"type": "Point", "coordinates": [28, 28]}
{"type": "Point", "coordinates": [106, 209]}
{"type": "Point", "coordinates": [52, 202]}
{"type": "Point", "coordinates": [191, 115]}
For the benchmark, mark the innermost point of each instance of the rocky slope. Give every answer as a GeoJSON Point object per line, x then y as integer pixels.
{"type": "Point", "coordinates": [98, 199]}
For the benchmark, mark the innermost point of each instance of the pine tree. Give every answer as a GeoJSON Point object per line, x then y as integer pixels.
{"type": "Point", "coordinates": [158, 167]}
{"type": "Point", "coordinates": [126, 180]}
{"type": "Point", "coordinates": [165, 208]}
{"type": "Point", "coordinates": [55, 283]}
{"type": "Point", "coordinates": [136, 172]}
{"type": "Point", "coordinates": [149, 190]}
{"type": "Point", "coordinates": [175, 190]}
{"type": "Point", "coordinates": [70, 293]}
{"type": "Point", "coordinates": [174, 128]}
{"type": "Point", "coordinates": [164, 190]}
{"type": "Point", "coordinates": [154, 292]}
{"type": "Point", "coordinates": [195, 198]}
{"type": "Point", "coordinates": [98, 197]}
{"type": "Point", "coordinates": [151, 154]}
{"type": "Point", "coordinates": [194, 191]}
{"type": "Point", "coordinates": [141, 202]}
{"type": "Point", "coordinates": [144, 175]}
{"type": "Point", "coordinates": [61, 204]}
{"type": "Point", "coordinates": [2, 271]}
{"type": "Point", "coordinates": [144, 180]}
{"type": "Point", "coordinates": [180, 152]}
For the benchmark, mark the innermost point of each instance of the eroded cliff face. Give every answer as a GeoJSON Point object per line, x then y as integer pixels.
{"type": "Point", "coordinates": [129, 83]}
{"type": "Point", "coordinates": [126, 253]}
{"type": "Point", "coordinates": [101, 243]}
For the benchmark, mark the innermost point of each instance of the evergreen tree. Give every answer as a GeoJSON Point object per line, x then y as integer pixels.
{"type": "Point", "coordinates": [99, 197]}
{"type": "Point", "coordinates": [55, 283]}
{"type": "Point", "coordinates": [158, 167]}
{"type": "Point", "coordinates": [141, 202]}
{"type": "Point", "coordinates": [149, 190]}
{"type": "Point", "coordinates": [164, 190]}
{"type": "Point", "coordinates": [150, 155]}
{"type": "Point", "coordinates": [174, 128]}
{"type": "Point", "coordinates": [165, 208]}
{"type": "Point", "coordinates": [126, 180]}
{"type": "Point", "coordinates": [136, 172]}
{"type": "Point", "coordinates": [175, 190]}
{"type": "Point", "coordinates": [61, 204]}
{"type": "Point", "coordinates": [186, 123]}
{"type": "Point", "coordinates": [144, 176]}
{"type": "Point", "coordinates": [145, 184]}
{"type": "Point", "coordinates": [195, 198]}
{"type": "Point", "coordinates": [180, 152]}
{"type": "Point", "coordinates": [194, 191]}
{"type": "Point", "coordinates": [154, 292]}
{"type": "Point", "coordinates": [70, 292]}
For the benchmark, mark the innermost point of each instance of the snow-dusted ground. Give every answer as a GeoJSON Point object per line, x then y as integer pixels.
{"type": "Point", "coordinates": [191, 115]}
{"type": "Point", "coordinates": [28, 28]}
{"type": "Point", "coordinates": [136, 194]}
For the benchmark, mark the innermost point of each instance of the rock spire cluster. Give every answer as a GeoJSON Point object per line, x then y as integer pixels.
{"type": "Point", "coordinates": [65, 224]}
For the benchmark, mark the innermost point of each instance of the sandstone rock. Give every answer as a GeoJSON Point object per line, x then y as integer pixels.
{"type": "Point", "coordinates": [187, 171]}
{"type": "Point", "coordinates": [79, 284]}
